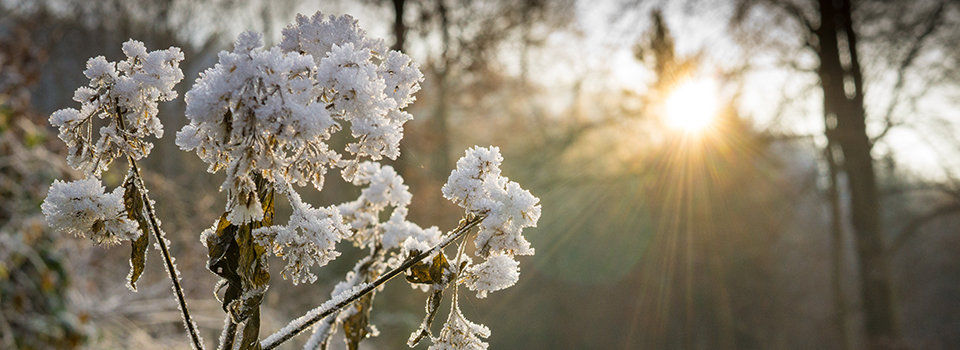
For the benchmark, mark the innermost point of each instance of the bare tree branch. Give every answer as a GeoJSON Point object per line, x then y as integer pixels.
{"type": "Point", "coordinates": [934, 20]}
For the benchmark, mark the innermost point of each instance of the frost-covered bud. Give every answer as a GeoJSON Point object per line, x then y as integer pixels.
{"type": "Point", "coordinates": [384, 188]}
{"type": "Point", "coordinates": [83, 209]}
{"type": "Point", "coordinates": [477, 172]}
{"type": "Point", "coordinates": [100, 71]}
{"type": "Point", "coordinates": [357, 94]}
{"type": "Point", "coordinates": [308, 239]}
{"type": "Point", "coordinates": [458, 333]}
{"type": "Point", "coordinates": [384, 185]}
{"type": "Point", "coordinates": [496, 273]}
{"type": "Point", "coordinates": [401, 76]}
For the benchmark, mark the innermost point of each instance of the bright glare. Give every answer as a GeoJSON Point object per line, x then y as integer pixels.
{"type": "Point", "coordinates": [692, 106]}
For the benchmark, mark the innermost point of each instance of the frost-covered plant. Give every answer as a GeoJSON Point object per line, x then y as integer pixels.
{"type": "Point", "coordinates": [83, 209]}
{"type": "Point", "coordinates": [121, 104]}
{"type": "Point", "coordinates": [265, 117]}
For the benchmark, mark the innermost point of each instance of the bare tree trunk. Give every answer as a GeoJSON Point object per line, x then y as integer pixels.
{"type": "Point", "coordinates": [846, 117]}
{"type": "Point", "coordinates": [441, 163]}
{"type": "Point", "coordinates": [836, 234]}
{"type": "Point", "coordinates": [399, 28]}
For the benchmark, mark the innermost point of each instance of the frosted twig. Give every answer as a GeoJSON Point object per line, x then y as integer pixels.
{"type": "Point", "coordinates": [323, 330]}
{"type": "Point", "coordinates": [228, 334]}
{"type": "Point", "coordinates": [161, 242]}
{"type": "Point", "coordinates": [340, 301]}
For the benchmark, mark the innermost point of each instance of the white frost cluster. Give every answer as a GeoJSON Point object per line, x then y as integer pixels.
{"type": "Point", "coordinates": [125, 96]}
{"type": "Point", "coordinates": [383, 189]}
{"type": "Point", "coordinates": [83, 209]}
{"type": "Point", "coordinates": [398, 232]}
{"type": "Point", "coordinates": [496, 273]}
{"type": "Point", "coordinates": [458, 333]}
{"type": "Point", "coordinates": [308, 239]}
{"type": "Point", "coordinates": [271, 111]}
{"type": "Point", "coordinates": [477, 186]}
{"type": "Point", "coordinates": [128, 90]}
{"type": "Point", "coordinates": [255, 111]}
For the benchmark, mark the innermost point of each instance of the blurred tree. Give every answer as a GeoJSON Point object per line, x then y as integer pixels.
{"type": "Point", "coordinates": [835, 32]}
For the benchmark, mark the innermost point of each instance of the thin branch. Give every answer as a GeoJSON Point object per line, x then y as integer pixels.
{"type": "Point", "coordinates": [933, 22]}
{"type": "Point", "coordinates": [161, 240]}
{"type": "Point", "coordinates": [340, 301]}
{"type": "Point", "coordinates": [321, 333]}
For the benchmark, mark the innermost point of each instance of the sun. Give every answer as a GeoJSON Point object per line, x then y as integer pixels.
{"type": "Point", "coordinates": [691, 106]}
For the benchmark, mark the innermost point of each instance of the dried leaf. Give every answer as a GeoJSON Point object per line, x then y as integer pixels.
{"type": "Point", "coordinates": [356, 327]}
{"type": "Point", "coordinates": [234, 256]}
{"type": "Point", "coordinates": [251, 332]}
{"type": "Point", "coordinates": [436, 272]}
{"type": "Point", "coordinates": [133, 203]}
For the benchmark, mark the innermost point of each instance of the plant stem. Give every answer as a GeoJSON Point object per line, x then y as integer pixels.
{"type": "Point", "coordinates": [229, 333]}
{"type": "Point", "coordinates": [161, 241]}
{"type": "Point", "coordinates": [171, 269]}
{"type": "Point", "coordinates": [300, 324]}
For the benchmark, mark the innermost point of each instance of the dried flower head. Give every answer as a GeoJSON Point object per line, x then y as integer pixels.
{"type": "Point", "coordinates": [270, 112]}
{"type": "Point", "coordinates": [125, 94]}
{"type": "Point", "coordinates": [83, 209]}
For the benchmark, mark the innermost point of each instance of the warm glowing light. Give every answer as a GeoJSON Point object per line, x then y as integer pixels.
{"type": "Point", "coordinates": [692, 106]}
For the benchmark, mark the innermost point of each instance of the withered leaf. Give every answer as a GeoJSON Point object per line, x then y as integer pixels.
{"type": "Point", "coordinates": [251, 332]}
{"type": "Point", "coordinates": [432, 273]}
{"type": "Point", "coordinates": [356, 327]}
{"type": "Point", "coordinates": [133, 203]}
{"type": "Point", "coordinates": [234, 256]}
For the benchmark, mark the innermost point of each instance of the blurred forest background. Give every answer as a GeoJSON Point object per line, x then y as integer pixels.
{"type": "Point", "coordinates": [817, 209]}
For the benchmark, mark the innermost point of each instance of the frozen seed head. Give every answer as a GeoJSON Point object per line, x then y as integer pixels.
{"type": "Point", "coordinates": [496, 273]}
{"type": "Point", "coordinates": [309, 238]}
{"type": "Point", "coordinates": [477, 186]}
